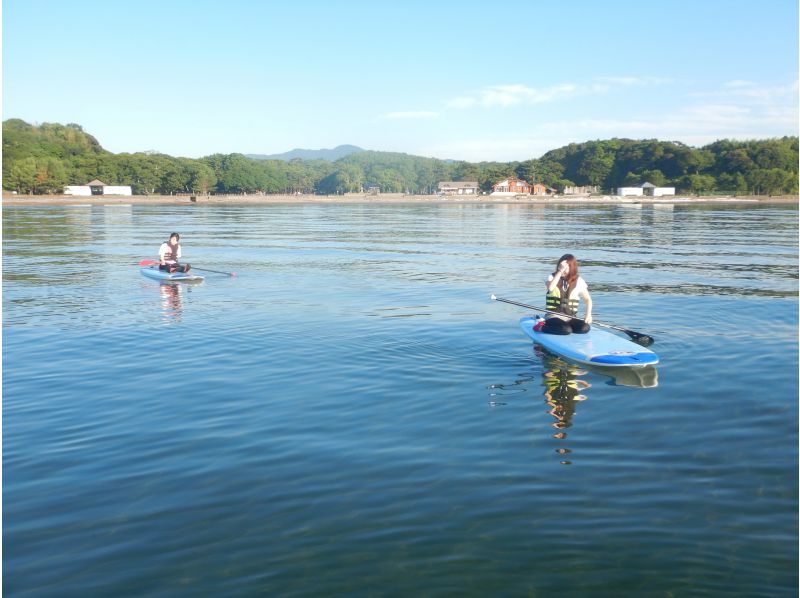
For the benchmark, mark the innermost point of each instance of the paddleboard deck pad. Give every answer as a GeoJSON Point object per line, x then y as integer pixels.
{"type": "Point", "coordinates": [156, 274]}
{"type": "Point", "coordinates": [596, 347]}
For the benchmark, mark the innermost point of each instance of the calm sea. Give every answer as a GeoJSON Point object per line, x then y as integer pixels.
{"type": "Point", "coordinates": [352, 415]}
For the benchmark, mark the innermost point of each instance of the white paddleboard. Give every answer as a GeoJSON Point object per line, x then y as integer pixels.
{"type": "Point", "coordinates": [596, 347]}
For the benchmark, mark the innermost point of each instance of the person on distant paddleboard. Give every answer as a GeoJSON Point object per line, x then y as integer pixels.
{"type": "Point", "coordinates": [169, 254]}
{"type": "Point", "coordinates": [565, 289]}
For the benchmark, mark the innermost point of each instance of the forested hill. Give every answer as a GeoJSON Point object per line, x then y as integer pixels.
{"type": "Point", "coordinates": [45, 158]}
{"type": "Point", "coordinates": [331, 155]}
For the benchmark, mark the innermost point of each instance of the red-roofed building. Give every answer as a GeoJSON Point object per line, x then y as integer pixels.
{"type": "Point", "coordinates": [511, 186]}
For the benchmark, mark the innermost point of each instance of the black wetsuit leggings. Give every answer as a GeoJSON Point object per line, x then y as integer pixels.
{"type": "Point", "coordinates": [174, 267]}
{"type": "Point", "coordinates": [558, 326]}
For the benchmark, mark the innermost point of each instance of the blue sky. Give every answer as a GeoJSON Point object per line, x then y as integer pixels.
{"type": "Point", "coordinates": [491, 80]}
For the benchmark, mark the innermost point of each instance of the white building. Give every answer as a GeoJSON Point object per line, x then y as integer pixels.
{"type": "Point", "coordinates": [648, 189]}
{"type": "Point", "coordinates": [458, 188]}
{"type": "Point", "coordinates": [623, 191]}
{"type": "Point", "coordinates": [653, 191]}
{"type": "Point", "coordinates": [96, 187]}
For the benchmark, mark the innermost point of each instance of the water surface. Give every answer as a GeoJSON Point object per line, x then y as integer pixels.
{"type": "Point", "coordinates": [352, 414]}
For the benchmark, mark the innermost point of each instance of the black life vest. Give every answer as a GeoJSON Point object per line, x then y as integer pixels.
{"type": "Point", "coordinates": [557, 300]}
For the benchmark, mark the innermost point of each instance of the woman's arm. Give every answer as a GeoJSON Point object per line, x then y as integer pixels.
{"type": "Point", "coordinates": [588, 300]}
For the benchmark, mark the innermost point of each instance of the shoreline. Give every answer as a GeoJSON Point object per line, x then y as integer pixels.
{"type": "Point", "coordinates": [387, 198]}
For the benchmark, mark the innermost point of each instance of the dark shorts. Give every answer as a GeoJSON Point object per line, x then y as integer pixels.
{"type": "Point", "coordinates": [558, 326]}
{"type": "Point", "coordinates": [174, 267]}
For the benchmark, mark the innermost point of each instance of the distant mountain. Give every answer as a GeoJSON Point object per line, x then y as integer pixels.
{"type": "Point", "coordinates": [331, 155]}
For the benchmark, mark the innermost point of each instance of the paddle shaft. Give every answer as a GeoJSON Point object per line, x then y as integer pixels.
{"type": "Point", "coordinates": [633, 334]}
{"type": "Point", "coordinates": [215, 271]}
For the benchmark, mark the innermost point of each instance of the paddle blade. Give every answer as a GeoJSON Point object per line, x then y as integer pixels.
{"type": "Point", "coordinates": [641, 339]}
{"type": "Point", "coordinates": [148, 263]}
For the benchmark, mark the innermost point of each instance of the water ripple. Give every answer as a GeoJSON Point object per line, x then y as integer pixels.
{"type": "Point", "coordinates": [351, 414]}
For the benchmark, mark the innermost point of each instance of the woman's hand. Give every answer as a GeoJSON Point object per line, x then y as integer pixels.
{"type": "Point", "coordinates": [588, 318]}
{"type": "Point", "coordinates": [563, 267]}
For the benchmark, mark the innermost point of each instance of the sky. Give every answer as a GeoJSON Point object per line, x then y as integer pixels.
{"type": "Point", "coordinates": [491, 80]}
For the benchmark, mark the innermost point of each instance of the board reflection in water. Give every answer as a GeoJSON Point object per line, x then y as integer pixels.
{"type": "Point", "coordinates": [565, 386]}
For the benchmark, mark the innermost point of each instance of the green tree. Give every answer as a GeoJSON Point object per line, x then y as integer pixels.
{"type": "Point", "coordinates": [632, 180]}
{"type": "Point", "coordinates": [698, 183]}
{"type": "Point", "coordinates": [732, 183]}
{"type": "Point", "coordinates": [655, 176]}
{"type": "Point", "coordinates": [201, 178]}
{"type": "Point", "coordinates": [772, 181]}
{"type": "Point", "coordinates": [596, 166]}
{"type": "Point", "coordinates": [22, 176]}
{"type": "Point", "coordinates": [347, 178]}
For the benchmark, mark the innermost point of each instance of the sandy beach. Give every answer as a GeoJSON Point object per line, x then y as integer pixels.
{"type": "Point", "coordinates": [388, 198]}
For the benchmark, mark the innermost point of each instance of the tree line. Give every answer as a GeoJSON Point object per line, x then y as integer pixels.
{"type": "Point", "coordinates": [43, 159]}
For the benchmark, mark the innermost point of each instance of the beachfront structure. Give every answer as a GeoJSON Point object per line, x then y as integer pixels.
{"type": "Point", "coordinates": [458, 188]}
{"type": "Point", "coordinates": [97, 187]}
{"type": "Point", "coordinates": [648, 189]}
{"type": "Point", "coordinates": [653, 191]}
{"type": "Point", "coordinates": [584, 190]}
{"type": "Point", "coordinates": [542, 189]}
{"type": "Point", "coordinates": [623, 191]}
{"type": "Point", "coordinates": [511, 186]}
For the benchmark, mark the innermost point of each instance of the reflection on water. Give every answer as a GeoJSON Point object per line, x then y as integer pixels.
{"type": "Point", "coordinates": [499, 392]}
{"type": "Point", "coordinates": [563, 388]}
{"type": "Point", "coordinates": [565, 385]}
{"type": "Point", "coordinates": [646, 377]}
{"type": "Point", "coordinates": [171, 302]}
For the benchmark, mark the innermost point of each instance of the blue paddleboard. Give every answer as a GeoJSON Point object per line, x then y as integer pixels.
{"type": "Point", "coordinates": [156, 274]}
{"type": "Point", "coordinates": [596, 347]}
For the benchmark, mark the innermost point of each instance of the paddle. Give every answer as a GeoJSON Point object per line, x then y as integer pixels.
{"type": "Point", "coordinates": [155, 263]}
{"type": "Point", "coordinates": [638, 337]}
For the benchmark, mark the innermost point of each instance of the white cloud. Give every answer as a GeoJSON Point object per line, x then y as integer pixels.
{"type": "Point", "coordinates": [765, 94]}
{"type": "Point", "coordinates": [734, 110]}
{"type": "Point", "coordinates": [513, 94]}
{"type": "Point", "coordinates": [697, 124]}
{"type": "Point", "coordinates": [516, 93]}
{"type": "Point", "coordinates": [412, 115]}
{"type": "Point", "coordinates": [508, 95]}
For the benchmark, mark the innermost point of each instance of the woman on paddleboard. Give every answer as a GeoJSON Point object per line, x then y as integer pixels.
{"type": "Point", "coordinates": [565, 289]}
{"type": "Point", "coordinates": [169, 253]}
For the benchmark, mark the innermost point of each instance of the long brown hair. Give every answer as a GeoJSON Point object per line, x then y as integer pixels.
{"type": "Point", "coordinates": [572, 277]}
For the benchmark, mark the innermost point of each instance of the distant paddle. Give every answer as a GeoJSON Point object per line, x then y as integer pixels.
{"type": "Point", "coordinates": [637, 337]}
{"type": "Point", "coordinates": [155, 263]}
